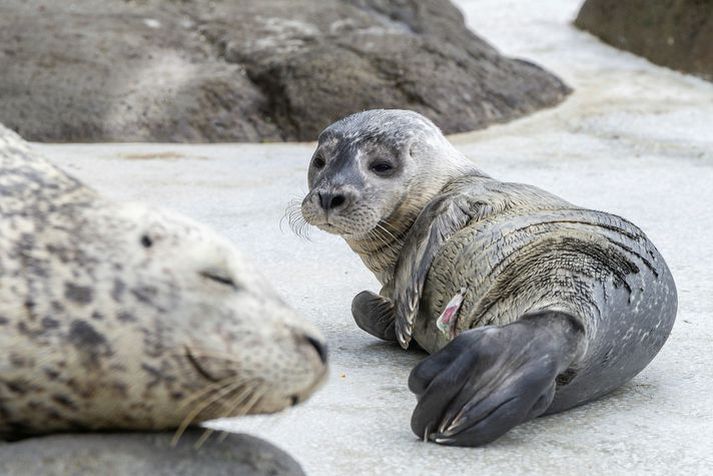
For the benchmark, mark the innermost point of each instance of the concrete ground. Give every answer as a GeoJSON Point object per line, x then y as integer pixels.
{"type": "Point", "coordinates": [633, 139]}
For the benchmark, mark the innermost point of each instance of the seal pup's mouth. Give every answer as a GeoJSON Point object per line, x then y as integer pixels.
{"type": "Point", "coordinates": [323, 221]}
{"type": "Point", "coordinates": [327, 221]}
{"type": "Point", "coordinates": [329, 227]}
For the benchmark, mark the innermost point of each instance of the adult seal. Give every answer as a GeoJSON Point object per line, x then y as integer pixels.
{"type": "Point", "coordinates": [528, 304]}
{"type": "Point", "coordinates": [118, 316]}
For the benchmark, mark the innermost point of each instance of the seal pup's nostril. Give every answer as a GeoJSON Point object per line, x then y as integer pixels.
{"type": "Point", "coordinates": [330, 201]}
{"type": "Point", "coordinates": [320, 347]}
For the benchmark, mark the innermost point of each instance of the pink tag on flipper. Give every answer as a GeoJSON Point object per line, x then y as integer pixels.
{"type": "Point", "coordinates": [447, 320]}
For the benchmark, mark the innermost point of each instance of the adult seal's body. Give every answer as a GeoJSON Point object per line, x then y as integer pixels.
{"type": "Point", "coordinates": [117, 316]}
{"type": "Point", "coordinates": [528, 303]}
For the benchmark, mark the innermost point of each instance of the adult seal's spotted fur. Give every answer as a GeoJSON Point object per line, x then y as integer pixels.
{"type": "Point", "coordinates": [117, 316]}
{"type": "Point", "coordinates": [529, 304]}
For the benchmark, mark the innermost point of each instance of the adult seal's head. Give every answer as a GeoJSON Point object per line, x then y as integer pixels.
{"type": "Point", "coordinates": [119, 316]}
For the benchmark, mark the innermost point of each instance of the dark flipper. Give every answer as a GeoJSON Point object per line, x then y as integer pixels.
{"type": "Point", "coordinates": [488, 380]}
{"type": "Point", "coordinates": [374, 314]}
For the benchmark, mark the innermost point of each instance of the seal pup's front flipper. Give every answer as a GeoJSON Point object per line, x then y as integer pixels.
{"type": "Point", "coordinates": [374, 314]}
{"type": "Point", "coordinates": [435, 225]}
{"type": "Point", "coordinates": [490, 379]}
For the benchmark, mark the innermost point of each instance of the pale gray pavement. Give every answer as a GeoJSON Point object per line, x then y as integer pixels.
{"type": "Point", "coordinates": [634, 139]}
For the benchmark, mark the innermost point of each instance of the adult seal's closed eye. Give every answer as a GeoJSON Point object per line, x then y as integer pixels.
{"type": "Point", "coordinates": [528, 303]}
{"type": "Point", "coordinates": [118, 316]}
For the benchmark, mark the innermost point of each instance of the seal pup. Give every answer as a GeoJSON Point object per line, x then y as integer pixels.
{"type": "Point", "coordinates": [115, 316]}
{"type": "Point", "coordinates": [527, 303]}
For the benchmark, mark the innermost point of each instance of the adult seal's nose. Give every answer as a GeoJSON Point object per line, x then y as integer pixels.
{"type": "Point", "coordinates": [332, 201]}
{"type": "Point", "coordinates": [320, 347]}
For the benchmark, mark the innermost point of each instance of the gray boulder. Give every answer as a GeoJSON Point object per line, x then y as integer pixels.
{"type": "Point", "coordinates": [189, 70]}
{"type": "Point", "coordinates": [673, 33]}
{"type": "Point", "coordinates": [142, 454]}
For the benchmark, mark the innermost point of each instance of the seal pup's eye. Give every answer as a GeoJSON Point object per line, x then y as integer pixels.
{"type": "Point", "coordinates": [318, 162]}
{"type": "Point", "coordinates": [381, 167]}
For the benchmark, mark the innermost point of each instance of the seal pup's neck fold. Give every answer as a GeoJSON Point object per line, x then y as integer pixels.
{"type": "Point", "coordinates": [380, 248]}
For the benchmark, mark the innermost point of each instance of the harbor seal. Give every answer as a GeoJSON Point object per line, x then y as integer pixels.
{"type": "Point", "coordinates": [527, 303]}
{"type": "Point", "coordinates": [116, 316]}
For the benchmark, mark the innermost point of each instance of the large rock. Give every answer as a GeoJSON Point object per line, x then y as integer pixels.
{"type": "Point", "coordinates": [141, 454]}
{"type": "Point", "coordinates": [168, 70]}
{"type": "Point", "coordinates": [673, 33]}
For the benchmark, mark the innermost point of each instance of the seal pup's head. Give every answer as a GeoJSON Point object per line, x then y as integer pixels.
{"type": "Point", "coordinates": [373, 164]}
{"type": "Point", "coordinates": [371, 175]}
{"type": "Point", "coordinates": [122, 316]}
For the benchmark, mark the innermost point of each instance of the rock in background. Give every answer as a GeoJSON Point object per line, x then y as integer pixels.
{"type": "Point", "coordinates": [145, 454]}
{"type": "Point", "coordinates": [673, 33]}
{"type": "Point", "coordinates": [196, 71]}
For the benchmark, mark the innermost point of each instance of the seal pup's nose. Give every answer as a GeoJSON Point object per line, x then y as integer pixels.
{"type": "Point", "coordinates": [330, 201]}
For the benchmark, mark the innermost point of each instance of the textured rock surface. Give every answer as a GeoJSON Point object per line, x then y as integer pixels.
{"type": "Point", "coordinates": [162, 70]}
{"type": "Point", "coordinates": [673, 33]}
{"type": "Point", "coordinates": [140, 454]}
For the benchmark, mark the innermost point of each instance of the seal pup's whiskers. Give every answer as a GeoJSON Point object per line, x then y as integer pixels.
{"type": "Point", "coordinates": [383, 243]}
{"type": "Point", "coordinates": [295, 220]}
{"type": "Point", "coordinates": [397, 241]}
{"type": "Point", "coordinates": [386, 224]}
